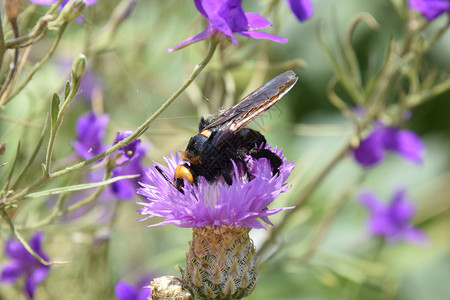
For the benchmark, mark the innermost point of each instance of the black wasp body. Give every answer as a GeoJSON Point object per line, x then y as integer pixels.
{"type": "Point", "coordinates": [221, 140]}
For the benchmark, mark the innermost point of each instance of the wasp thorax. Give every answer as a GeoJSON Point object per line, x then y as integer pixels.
{"type": "Point", "coordinates": [182, 172]}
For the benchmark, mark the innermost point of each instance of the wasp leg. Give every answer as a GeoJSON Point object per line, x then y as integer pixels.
{"type": "Point", "coordinates": [275, 160]}
{"type": "Point", "coordinates": [227, 177]}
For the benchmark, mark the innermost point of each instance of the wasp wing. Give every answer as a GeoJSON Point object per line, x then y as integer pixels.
{"type": "Point", "coordinates": [249, 108]}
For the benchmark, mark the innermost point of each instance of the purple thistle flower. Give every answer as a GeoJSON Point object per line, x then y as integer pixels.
{"type": "Point", "coordinates": [372, 150]}
{"type": "Point", "coordinates": [226, 17]}
{"type": "Point", "coordinates": [90, 131]}
{"type": "Point", "coordinates": [430, 9]}
{"type": "Point", "coordinates": [392, 221]}
{"type": "Point", "coordinates": [126, 291]}
{"type": "Point", "coordinates": [22, 263]}
{"type": "Point", "coordinates": [302, 9]}
{"type": "Point", "coordinates": [216, 204]}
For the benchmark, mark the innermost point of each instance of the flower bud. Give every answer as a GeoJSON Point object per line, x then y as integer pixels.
{"type": "Point", "coordinates": [79, 67]}
{"type": "Point", "coordinates": [221, 263]}
{"type": "Point", "coordinates": [72, 10]}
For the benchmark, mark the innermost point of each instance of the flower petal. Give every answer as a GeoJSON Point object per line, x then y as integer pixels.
{"type": "Point", "coordinates": [372, 203]}
{"type": "Point", "coordinates": [30, 286]}
{"type": "Point", "coordinates": [415, 236]}
{"type": "Point", "coordinates": [11, 272]}
{"type": "Point", "coordinates": [125, 291]}
{"type": "Point", "coordinates": [430, 9]}
{"type": "Point", "coordinates": [15, 250]}
{"type": "Point", "coordinates": [43, 2]}
{"type": "Point", "coordinates": [232, 13]}
{"type": "Point", "coordinates": [263, 35]}
{"type": "Point", "coordinates": [302, 9]}
{"type": "Point", "coordinates": [193, 39]}
{"type": "Point", "coordinates": [406, 143]}
{"type": "Point", "coordinates": [371, 150]}
{"type": "Point", "coordinates": [256, 21]}
{"type": "Point", "coordinates": [401, 209]}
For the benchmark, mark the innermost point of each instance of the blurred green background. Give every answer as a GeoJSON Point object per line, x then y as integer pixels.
{"type": "Point", "coordinates": [138, 75]}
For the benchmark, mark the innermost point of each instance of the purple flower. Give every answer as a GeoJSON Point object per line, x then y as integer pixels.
{"type": "Point", "coordinates": [372, 150]}
{"type": "Point", "coordinates": [216, 204]}
{"type": "Point", "coordinates": [125, 291]}
{"type": "Point", "coordinates": [129, 163]}
{"type": "Point", "coordinates": [226, 17]}
{"type": "Point", "coordinates": [22, 263]}
{"type": "Point", "coordinates": [302, 9]}
{"type": "Point", "coordinates": [430, 9]}
{"type": "Point", "coordinates": [392, 221]}
{"type": "Point", "coordinates": [90, 131]}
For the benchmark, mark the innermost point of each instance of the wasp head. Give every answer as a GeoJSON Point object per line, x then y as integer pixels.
{"type": "Point", "coordinates": [182, 172]}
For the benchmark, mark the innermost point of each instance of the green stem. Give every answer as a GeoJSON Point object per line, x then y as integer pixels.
{"type": "Point", "coordinates": [38, 65]}
{"type": "Point", "coordinates": [329, 217]}
{"type": "Point", "coordinates": [40, 29]}
{"type": "Point", "coordinates": [139, 131]}
{"type": "Point", "coordinates": [421, 97]}
{"type": "Point", "coordinates": [26, 245]}
{"type": "Point", "coordinates": [303, 197]}
{"type": "Point", "coordinates": [54, 131]}
{"type": "Point", "coordinates": [2, 43]}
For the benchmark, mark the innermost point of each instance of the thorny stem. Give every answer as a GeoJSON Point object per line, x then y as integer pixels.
{"type": "Point", "coordinates": [137, 133]}
{"type": "Point", "coordinates": [27, 246]}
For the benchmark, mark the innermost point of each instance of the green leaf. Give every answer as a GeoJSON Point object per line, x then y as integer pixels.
{"type": "Point", "coordinates": [78, 187]}
{"type": "Point", "coordinates": [54, 111]}
{"type": "Point", "coordinates": [67, 90]}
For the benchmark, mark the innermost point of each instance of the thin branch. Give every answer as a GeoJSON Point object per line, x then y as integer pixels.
{"type": "Point", "coordinates": [136, 134]}
{"type": "Point", "coordinates": [27, 246]}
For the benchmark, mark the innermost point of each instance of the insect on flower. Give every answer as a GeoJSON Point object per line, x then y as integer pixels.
{"type": "Point", "coordinates": [221, 140]}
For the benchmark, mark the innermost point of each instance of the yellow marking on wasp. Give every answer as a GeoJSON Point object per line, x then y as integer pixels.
{"type": "Point", "coordinates": [206, 133]}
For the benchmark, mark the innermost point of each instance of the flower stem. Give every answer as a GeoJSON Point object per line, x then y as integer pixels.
{"type": "Point", "coordinates": [76, 82]}
{"type": "Point", "coordinates": [329, 217]}
{"type": "Point", "coordinates": [6, 98]}
{"type": "Point", "coordinates": [27, 246]}
{"type": "Point", "coordinates": [304, 196]}
{"type": "Point", "coordinates": [2, 43]}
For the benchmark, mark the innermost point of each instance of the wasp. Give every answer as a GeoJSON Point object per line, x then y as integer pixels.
{"type": "Point", "coordinates": [222, 140]}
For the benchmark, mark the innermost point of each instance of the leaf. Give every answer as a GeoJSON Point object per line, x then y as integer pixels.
{"type": "Point", "coordinates": [78, 187]}
{"type": "Point", "coordinates": [54, 110]}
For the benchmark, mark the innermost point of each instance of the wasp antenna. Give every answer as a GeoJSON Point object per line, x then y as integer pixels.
{"type": "Point", "coordinates": [165, 177]}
